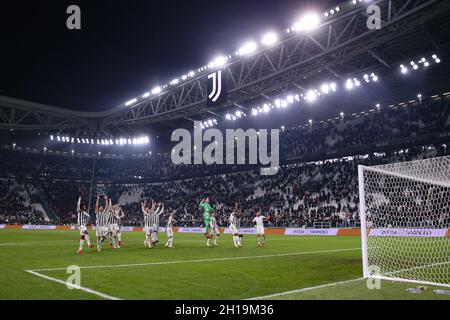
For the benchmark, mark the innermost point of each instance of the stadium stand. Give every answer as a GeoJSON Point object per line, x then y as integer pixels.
{"type": "Point", "coordinates": [304, 193]}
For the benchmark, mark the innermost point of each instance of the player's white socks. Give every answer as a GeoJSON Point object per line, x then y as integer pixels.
{"type": "Point", "coordinates": [207, 242]}
{"type": "Point", "coordinates": [88, 240]}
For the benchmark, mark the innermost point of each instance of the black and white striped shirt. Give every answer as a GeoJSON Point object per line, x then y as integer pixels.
{"type": "Point", "coordinates": [235, 221]}
{"type": "Point", "coordinates": [170, 222]}
{"type": "Point", "coordinates": [83, 218]}
{"type": "Point", "coordinates": [110, 218]}
{"type": "Point", "coordinates": [101, 219]}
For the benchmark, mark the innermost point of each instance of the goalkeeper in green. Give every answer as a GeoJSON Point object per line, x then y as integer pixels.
{"type": "Point", "coordinates": [207, 210]}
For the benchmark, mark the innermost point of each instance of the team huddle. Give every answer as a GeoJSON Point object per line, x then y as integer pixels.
{"type": "Point", "coordinates": [108, 224]}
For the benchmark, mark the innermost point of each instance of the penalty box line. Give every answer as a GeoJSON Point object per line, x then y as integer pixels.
{"type": "Point", "coordinates": [201, 260]}
{"type": "Point", "coordinates": [97, 293]}
{"type": "Point", "coordinates": [270, 296]}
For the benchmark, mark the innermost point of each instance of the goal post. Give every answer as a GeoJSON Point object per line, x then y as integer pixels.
{"type": "Point", "coordinates": [405, 221]}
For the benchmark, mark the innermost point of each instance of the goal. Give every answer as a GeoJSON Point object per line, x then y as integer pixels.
{"type": "Point", "coordinates": [405, 221]}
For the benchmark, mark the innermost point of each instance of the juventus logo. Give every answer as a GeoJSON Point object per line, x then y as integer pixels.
{"type": "Point", "coordinates": [216, 88]}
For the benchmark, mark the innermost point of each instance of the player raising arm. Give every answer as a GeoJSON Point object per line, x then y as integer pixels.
{"type": "Point", "coordinates": [259, 221]}
{"type": "Point", "coordinates": [155, 223]}
{"type": "Point", "coordinates": [147, 222]}
{"type": "Point", "coordinates": [82, 222]}
{"type": "Point", "coordinates": [101, 223]}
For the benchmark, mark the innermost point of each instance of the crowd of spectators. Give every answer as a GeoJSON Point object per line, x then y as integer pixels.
{"type": "Point", "coordinates": [299, 195]}
{"type": "Point", "coordinates": [15, 207]}
{"type": "Point", "coordinates": [377, 126]}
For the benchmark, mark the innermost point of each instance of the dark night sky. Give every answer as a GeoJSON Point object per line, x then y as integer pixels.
{"type": "Point", "coordinates": [125, 47]}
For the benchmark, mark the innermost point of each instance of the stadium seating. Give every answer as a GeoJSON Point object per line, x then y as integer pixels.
{"type": "Point", "coordinates": [309, 189]}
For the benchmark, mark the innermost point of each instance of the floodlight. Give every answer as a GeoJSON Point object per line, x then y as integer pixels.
{"type": "Point", "coordinates": [156, 90]}
{"type": "Point", "coordinates": [311, 96]}
{"type": "Point", "coordinates": [129, 103]}
{"type": "Point", "coordinates": [415, 67]}
{"type": "Point", "coordinates": [146, 95]}
{"type": "Point", "coordinates": [218, 62]}
{"type": "Point", "coordinates": [278, 103]}
{"type": "Point", "coordinates": [308, 22]}
{"type": "Point", "coordinates": [248, 48]}
{"type": "Point", "coordinates": [254, 112]}
{"type": "Point", "coordinates": [266, 108]}
{"type": "Point", "coordinates": [434, 56]}
{"type": "Point", "coordinates": [333, 86]}
{"type": "Point", "coordinates": [228, 116]}
{"type": "Point", "coordinates": [269, 38]}
{"type": "Point", "coordinates": [325, 88]}
{"type": "Point", "coordinates": [290, 99]}
{"type": "Point", "coordinates": [404, 70]}
{"type": "Point", "coordinates": [437, 60]}
{"type": "Point", "coordinates": [349, 84]}
{"type": "Point", "coordinates": [426, 64]}
{"type": "Point", "coordinates": [191, 74]}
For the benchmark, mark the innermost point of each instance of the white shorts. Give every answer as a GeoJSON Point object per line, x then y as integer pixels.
{"type": "Point", "coordinates": [101, 232]}
{"type": "Point", "coordinates": [169, 232]}
{"type": "Point", "coordinates": [260, 230]}
{"type": "Point", "coordinates": [83, 230]}
{"type": "Point", "coordinates": [234, 230]}
{"type": "Point", "coordinates": [114, 229]}
{"type": "Point", "coordinates": [148, 230]}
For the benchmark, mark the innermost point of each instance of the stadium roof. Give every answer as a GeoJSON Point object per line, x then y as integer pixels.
{"type": "Point", "coordinates": [339, 47]}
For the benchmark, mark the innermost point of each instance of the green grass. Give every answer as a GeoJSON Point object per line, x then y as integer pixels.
{"type": "Point", "coordinates": [288, 263]}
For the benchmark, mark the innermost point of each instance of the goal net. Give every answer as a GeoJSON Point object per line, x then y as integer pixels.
{"type": "Point", "coordinates": [405, 221]}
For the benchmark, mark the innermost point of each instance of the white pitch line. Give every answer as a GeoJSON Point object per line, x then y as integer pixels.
{"type": "Point", "coordinates": [203, 260]}
{"type": "Point", "coordinates": [99, 294]}
{"type": "Point", "coordinates": [270, 296]}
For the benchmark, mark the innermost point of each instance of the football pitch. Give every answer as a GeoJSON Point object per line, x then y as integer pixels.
{"type": "Point", "coordinates": [34, 266]}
